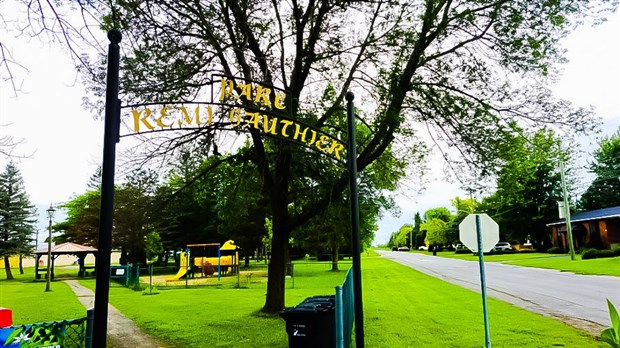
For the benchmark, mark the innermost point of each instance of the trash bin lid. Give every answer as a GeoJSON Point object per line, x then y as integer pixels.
{"type": "Point", "coordinates": [326, 300]}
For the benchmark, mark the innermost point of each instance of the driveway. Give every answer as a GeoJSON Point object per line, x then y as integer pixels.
{"type": "Point", "coordinates": [579, 300]}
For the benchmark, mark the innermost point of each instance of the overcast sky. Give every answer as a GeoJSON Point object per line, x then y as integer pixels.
{"type": "Point", "coordinates": [63, 143]}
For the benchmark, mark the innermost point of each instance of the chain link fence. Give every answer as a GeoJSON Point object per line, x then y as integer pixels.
{"type": "Point", "coordinates": [65, 333]}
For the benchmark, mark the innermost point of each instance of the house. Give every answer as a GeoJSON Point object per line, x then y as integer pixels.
{"type": "Point", "coordinates": [594, 229]}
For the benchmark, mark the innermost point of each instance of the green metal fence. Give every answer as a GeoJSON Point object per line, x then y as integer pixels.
{"type": "Point", "coordinates": [65, 333]}
{"type": "Point", "coordinates": [127, 275]}
{"type": "Point", "coordinates": [345, 311]}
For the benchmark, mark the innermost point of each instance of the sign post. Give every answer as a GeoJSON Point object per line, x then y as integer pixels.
{"type": "Point", "coordinates": [355, 231]}
{"type": "Point", "coordinates": [480, 233]}
{"type": "Point", "coordinates": [112, 123]}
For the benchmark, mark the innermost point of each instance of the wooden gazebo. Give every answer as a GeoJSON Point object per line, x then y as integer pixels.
{"type": "Point", "coordinates": [80, 251]}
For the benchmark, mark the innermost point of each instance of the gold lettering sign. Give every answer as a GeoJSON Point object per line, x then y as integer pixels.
{"type": "Point", "coordinates": [165, 117]}
{"type": "Point", "coordinates": [230, 91]}
{"type": "Point", "coordinates": [249, 106]}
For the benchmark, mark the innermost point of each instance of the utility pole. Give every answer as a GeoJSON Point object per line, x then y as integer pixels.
{"type": "Point", "coordinates": [569, 229]}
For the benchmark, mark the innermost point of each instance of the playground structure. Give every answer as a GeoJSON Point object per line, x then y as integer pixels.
{"type": "Point", "coordinates": [192, 260]}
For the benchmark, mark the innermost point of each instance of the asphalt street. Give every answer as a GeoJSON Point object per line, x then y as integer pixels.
{"type": "Point", "coordinates": [579, 300]}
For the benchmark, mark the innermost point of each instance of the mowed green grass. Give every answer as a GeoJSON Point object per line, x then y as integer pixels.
{"type": "Point", "coordinates": [31, 304]}
{"type": "Point", "coordinates": [402, 308]}
{"type": "Point", "coordinates": [604, 266]}
{"type": "Point", "coordinates": [219, 314]}
{"type": "Point", "coordinates": [405, 308]}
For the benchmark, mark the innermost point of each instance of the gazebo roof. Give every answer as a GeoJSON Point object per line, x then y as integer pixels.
{"type": "Point", "coordinates": [68, 248]}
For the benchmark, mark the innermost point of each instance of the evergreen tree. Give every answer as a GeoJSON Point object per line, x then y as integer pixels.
{"type": "Point", "coordinates": [418, 235]}
{"type": "Point", "coordinates": [17, 217]}
{"type": "Point", "coordinates": [94, 182]}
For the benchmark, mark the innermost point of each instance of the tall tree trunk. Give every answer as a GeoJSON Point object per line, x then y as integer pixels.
{"type": "Point", "coordinates": [335, 258]}
{"type": "Point", "coordinates": [274, 302]}
{"type": "Point", "coordinates": [21, 264]}
{"type": "Point", "coordinates": [7, 268]}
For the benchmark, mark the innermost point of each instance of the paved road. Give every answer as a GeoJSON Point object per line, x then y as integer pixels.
{"type": "Point", "coordinates": [578, 300]}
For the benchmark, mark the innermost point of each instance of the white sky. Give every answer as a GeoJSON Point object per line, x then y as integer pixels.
{"type": "Point", "coordinates": [64, 142]}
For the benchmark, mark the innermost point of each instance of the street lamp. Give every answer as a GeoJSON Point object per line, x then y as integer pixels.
{"type": "Point", "coordinates": [50, 214]}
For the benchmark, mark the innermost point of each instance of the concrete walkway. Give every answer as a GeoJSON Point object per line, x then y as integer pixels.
{"type": "Point", "coordinates": [122, 332]}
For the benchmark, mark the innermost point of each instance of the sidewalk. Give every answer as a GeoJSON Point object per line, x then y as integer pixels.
{"type": "Point", "coordinates": [122, 332]}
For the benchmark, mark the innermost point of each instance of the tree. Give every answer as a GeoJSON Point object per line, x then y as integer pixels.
{"type": "Point", "coordinates": [402, 236]}
{"type": "Point", "coordinates": [94, 182]}
{"type": "Point", "coordinates": [436, 232]}
{"type": "Point", "coordinates": [604, 191]}
{"type": "Point", "coordinates": [152, 245]}
{"type": "Point", "coordinates": [528, 187]}
{"type": "Point", "coordinates": [418, 234]}
{"type": "Point", "coordinates": [17, 217]}
{"type": "Point", "coordinates": [440, 213]}
{"type": "Point", "coordinates": [443, 66]}
{"type": "Point", "coordinates": [463, 208]}
{"type": "Point", "coordinates": [81, 225]}
{"type": "Point", "coordinates": [133, 216]}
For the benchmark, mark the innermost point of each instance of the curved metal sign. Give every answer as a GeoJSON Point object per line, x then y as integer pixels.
{"type": "Point", "coordinates": [246, 106]}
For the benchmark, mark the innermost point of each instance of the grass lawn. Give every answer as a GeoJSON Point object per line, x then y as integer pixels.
{"type": "Point", "coordinates": [217, 314]}
{"type": "Point", "coordinates": [403, 308]}
{"type": "Point", "coordinates": [605, 266]}
{"type": "Point", "coordinates": [31, 304]}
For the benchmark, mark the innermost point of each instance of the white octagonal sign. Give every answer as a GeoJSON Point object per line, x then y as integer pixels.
{"type": "Point", "coordinates": [489, 232]}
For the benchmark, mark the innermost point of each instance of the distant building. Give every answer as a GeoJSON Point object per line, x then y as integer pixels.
{"type": "Point", "coordinates": [594, 229]}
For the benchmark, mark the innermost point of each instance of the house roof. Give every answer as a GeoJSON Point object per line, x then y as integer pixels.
{"type": "Point", "coordinates": [607, 213]}
{"type": "Point", "coordinates": [68, 248]}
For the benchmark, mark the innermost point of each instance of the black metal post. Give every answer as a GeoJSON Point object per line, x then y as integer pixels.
{"type": "Point", "coordinates": [90, 317]}
{"type": "Point", "coordinates": [112, 123]}
{"type": "Point", "coordinates": [355, 231]}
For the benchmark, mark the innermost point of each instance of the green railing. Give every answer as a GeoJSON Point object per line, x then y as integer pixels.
{"type": "Point", "coordinates": [72, 333]}
{"type": "Point", "coordinates": [345, 312]}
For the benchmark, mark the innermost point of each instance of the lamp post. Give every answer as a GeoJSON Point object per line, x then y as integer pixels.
{"type": "Point", "coordinates": [50, 214]}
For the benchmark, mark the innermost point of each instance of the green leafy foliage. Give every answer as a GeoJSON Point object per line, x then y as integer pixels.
{"type": "Point", "coordinates": [596, 254]}
{"type": "Point", "coordinates": [528, 187]}
{"type": "Point", "coordinates": [611, 335]}
{"type": "Point", "coordinates": [153, 245]}
{"type": "Point", "coordinates": [133, 213]}
{"type": "Point", "coordinates": [436, 231]}
{"type": "Point", "coordinates": [604, 190]}
{"type": "Point", "coordinates": [463, 208]}
{"type": "Point", "coordinates": [440, 67]}
{"type": "Point", "coordinates": [555, 250]}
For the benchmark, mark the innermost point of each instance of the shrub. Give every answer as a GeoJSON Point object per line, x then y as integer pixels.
{"type": "Point", "coordinates": [589, 254]}
{"type": "Point", "coordinates": [605, 253]}
{"type": "Point", "coordinates": [464, 251]}
{"type": "Point", "coordinates": [616, 252]}
{"type": "Point", "coordinates": [555, 250]}
{"type": "Point", "coordinates": [580, 250]}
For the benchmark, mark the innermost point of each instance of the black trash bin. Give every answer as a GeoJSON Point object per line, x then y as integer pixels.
{"type": "Point", "coordinates": [311, 323]}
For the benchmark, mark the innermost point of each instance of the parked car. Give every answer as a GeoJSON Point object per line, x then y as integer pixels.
{"type": "Point", "coordinates": [422, 247]}
{"type": "Point", "coordinates": [502, 246]}
{"type": "Point", "coordinates": [403, 248]}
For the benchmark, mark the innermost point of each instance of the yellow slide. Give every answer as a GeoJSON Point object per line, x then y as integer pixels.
{"type": "Point", "coordinates": [182, 270]}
